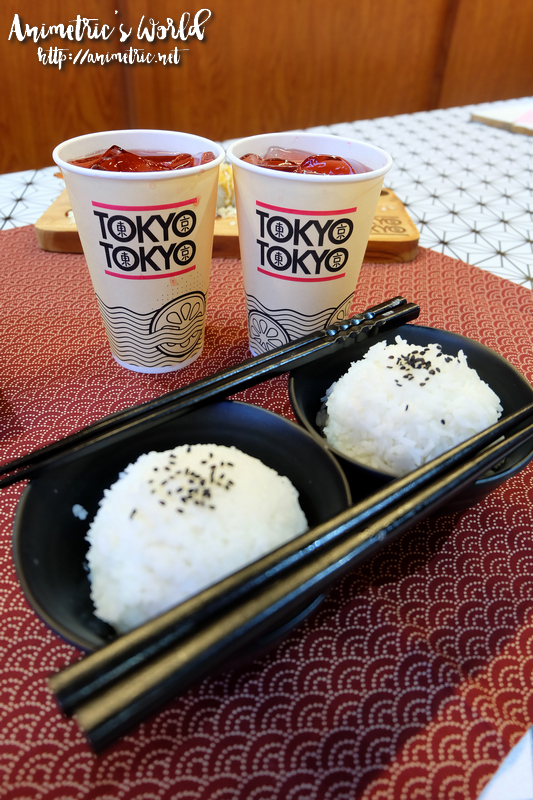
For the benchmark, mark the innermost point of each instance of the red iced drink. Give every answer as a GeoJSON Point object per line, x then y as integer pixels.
{"type": "Point", "coordinates": [304, 163]}
{"type": "Point", "coordinates": [115, 159]}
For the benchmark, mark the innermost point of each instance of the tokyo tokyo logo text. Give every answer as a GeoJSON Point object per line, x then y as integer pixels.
{"type": "Point", "coordinates": [154, 245]}
{"type": "Point", "coordinates": [303, 247]}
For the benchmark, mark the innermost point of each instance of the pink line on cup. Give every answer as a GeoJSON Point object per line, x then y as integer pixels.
{"type": "Point", "coordinates": [306, 213]}
{"type": "Point", "coordinates": [301, 280]}
{"type": "Point", "coordinates": [191, 202]}
{"type": "Point", "coordinates": [149, 277]}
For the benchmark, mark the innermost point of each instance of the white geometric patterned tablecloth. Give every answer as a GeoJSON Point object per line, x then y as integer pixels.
{"type": "Point", "coordinates": [467, 186]}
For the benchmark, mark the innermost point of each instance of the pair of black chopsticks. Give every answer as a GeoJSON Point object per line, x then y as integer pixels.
{"type": "Point", "coordinates": [115, 688]}
{"type": "Point", "coordinates": [122, 424]}
{"type": "Point", "coordinates": [112, 690]}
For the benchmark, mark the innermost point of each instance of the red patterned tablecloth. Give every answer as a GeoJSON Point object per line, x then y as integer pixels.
{"type": "Point", "coordinates": [414, 679]}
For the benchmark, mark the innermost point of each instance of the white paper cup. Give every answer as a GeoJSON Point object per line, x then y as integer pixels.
{"type": "Point", "coordinates": [148, 239]}
{"type": "Point", "coordinates": [302, 237]}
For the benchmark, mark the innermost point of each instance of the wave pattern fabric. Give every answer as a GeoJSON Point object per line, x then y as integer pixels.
{"type": "Point", "coordinates": [412, 681]}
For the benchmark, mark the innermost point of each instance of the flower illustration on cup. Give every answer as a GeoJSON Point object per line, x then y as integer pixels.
{"type": "Point", "coordinates": [178, 326]}
{"type": "Point", "coordinates": [265, 332]}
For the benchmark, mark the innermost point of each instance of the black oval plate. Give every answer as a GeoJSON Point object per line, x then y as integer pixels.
{"type": "Point", "coordinates": [308, 385]}
{"type": "Point", "coordinates": [49, 543]}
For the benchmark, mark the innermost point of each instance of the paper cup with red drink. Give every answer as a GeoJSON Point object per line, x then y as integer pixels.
{"type": "Point", "coordinates": [145, 208]}
{"type": "Point", "coordinates": [305, 206]}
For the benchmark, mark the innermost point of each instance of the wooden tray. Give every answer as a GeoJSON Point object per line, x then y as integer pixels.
{"type": "Point", "coordinates": [394, 236]}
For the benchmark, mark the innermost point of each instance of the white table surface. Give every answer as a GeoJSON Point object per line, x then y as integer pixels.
{"type": "Point", "coordinates": [468, 188]}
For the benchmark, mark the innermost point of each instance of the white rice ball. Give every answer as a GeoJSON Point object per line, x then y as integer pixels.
{"type": "Point", "coordinates": [402, 405]}
{"type": "Point", "coordinates": [178, 521]}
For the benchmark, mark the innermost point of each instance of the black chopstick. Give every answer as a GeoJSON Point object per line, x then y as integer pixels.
{"type": "Point", "coordinates": [114, 712]}
{"type": "Point", "coordinates": [223, 383]}
{"type": "Point", "coordinates": [339, 544]}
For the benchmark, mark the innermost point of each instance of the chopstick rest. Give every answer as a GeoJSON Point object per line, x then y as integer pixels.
{"type": "Point", "coordinates": [113, 689]}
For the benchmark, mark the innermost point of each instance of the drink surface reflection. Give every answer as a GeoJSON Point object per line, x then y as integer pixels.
{"type": "Point", "coordinates": [305, 163]}
{"type": "Point", "coordinates": [116, 159]}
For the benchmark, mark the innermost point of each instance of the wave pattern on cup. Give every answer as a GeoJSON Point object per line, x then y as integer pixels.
{"type": "Point", "coordinates": [163, 338]}
{"type": "Point", "coordinates": [269, 328]}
